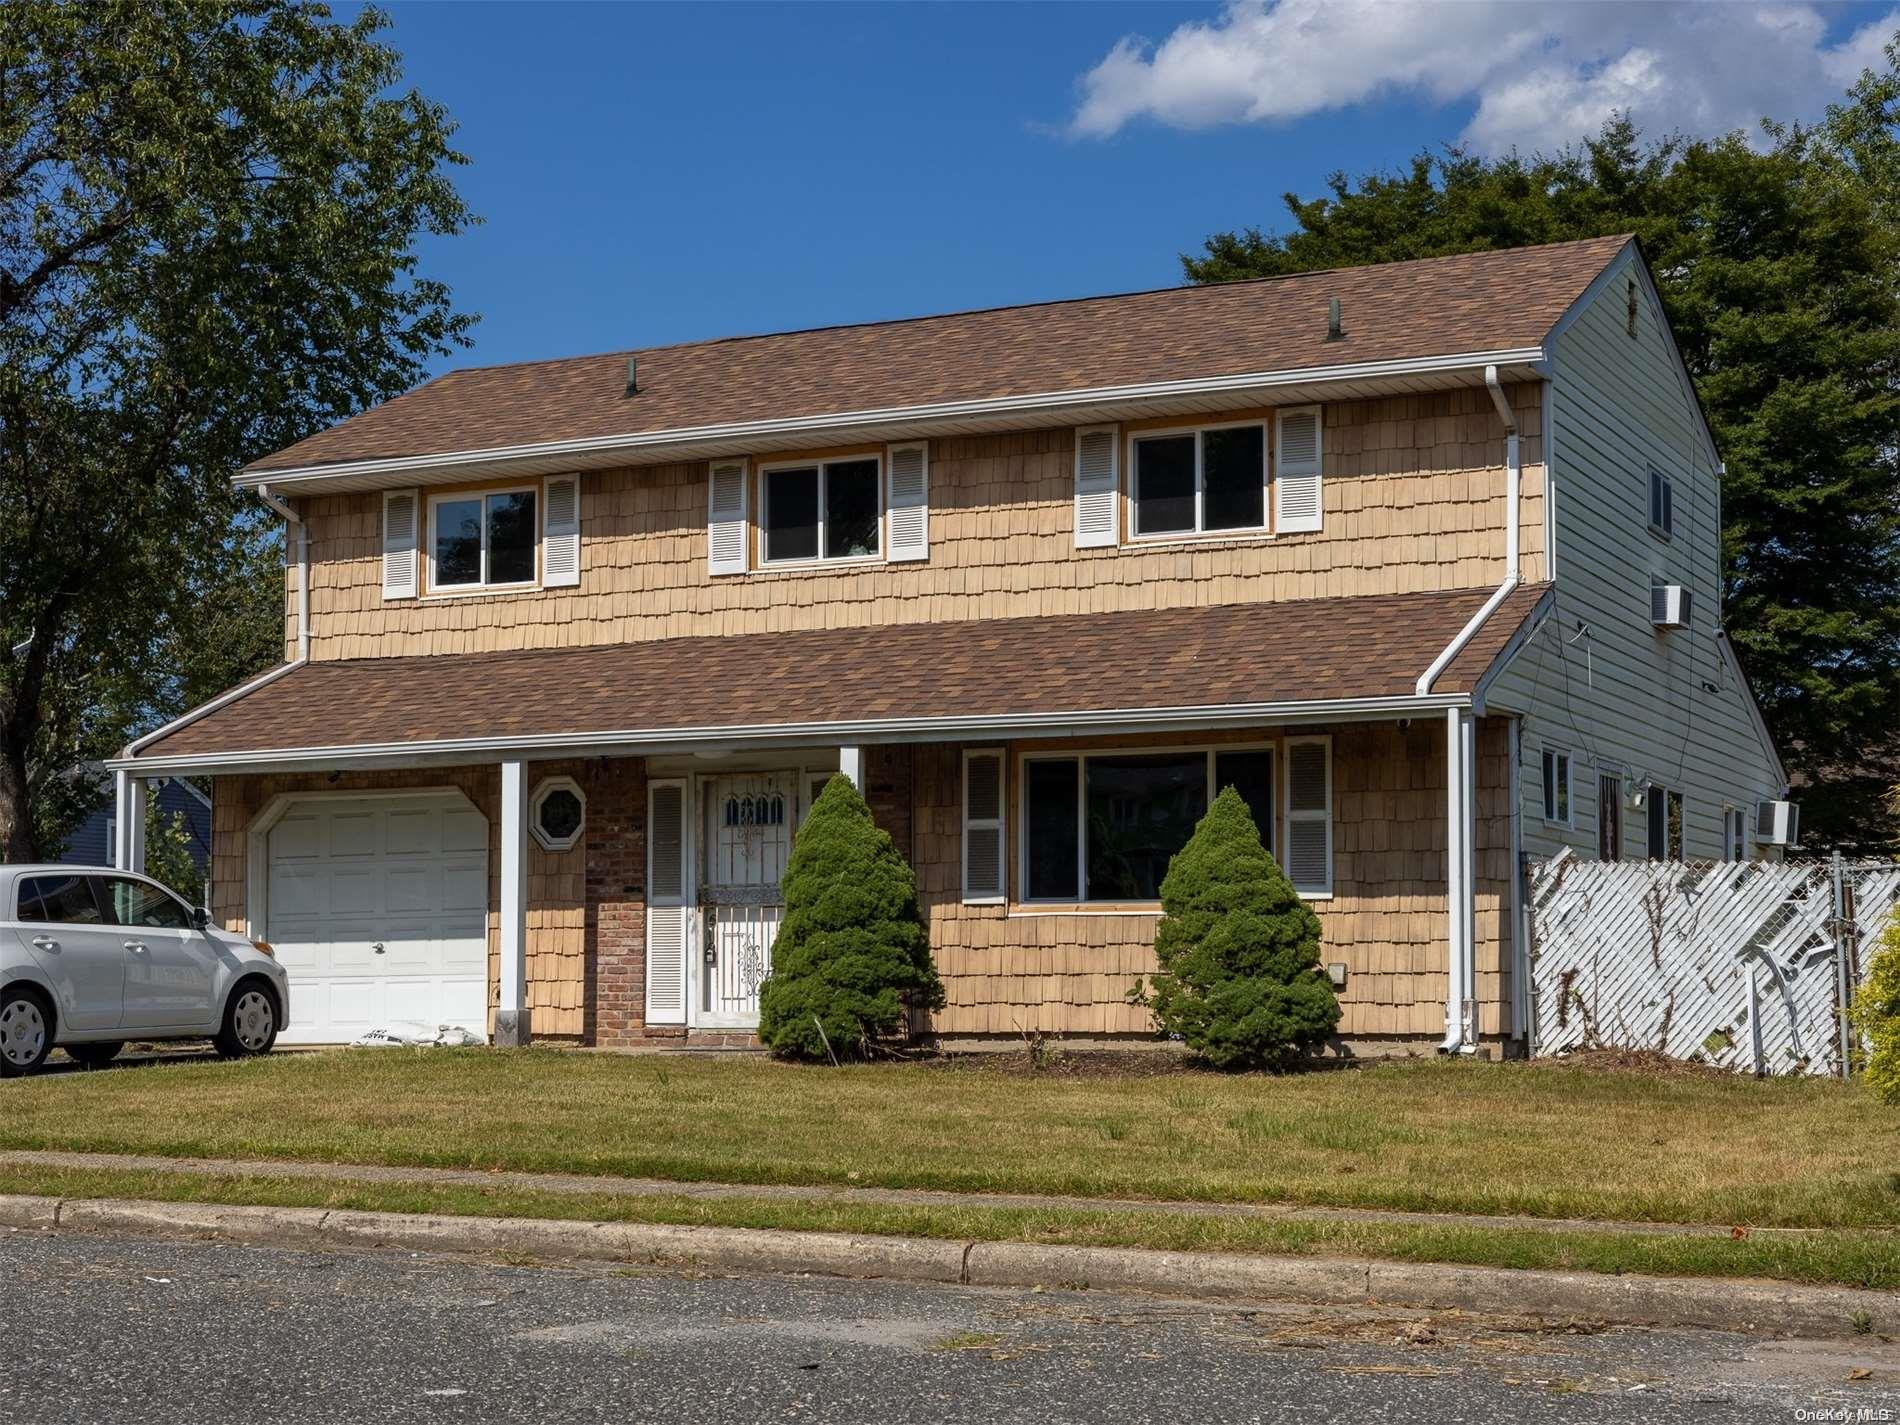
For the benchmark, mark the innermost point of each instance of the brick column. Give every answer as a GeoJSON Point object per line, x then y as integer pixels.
{"type": "Point", "coordinates": [616, 900]}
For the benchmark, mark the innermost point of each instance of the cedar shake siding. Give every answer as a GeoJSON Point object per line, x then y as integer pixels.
{"type": "Point", "coordinates": [1413, 500]}
{"type": "Point", "coordinates": [1008, 969]}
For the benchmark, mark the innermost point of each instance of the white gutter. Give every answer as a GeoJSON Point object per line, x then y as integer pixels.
{"type": "Point", "coordinates": [1513, 477]}
{"type": "Point", "coordinates": [276, 503]}
{"type": "Point", "coordinates": [393, 466]}
{"type": "Point", "coordinates": [656, 741]}
{"type": "Point", "coordinates": [126, 758]}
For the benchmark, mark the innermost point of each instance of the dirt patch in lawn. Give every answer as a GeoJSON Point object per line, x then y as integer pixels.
{"type": "Point", "coordinates": [1055, 1063]}
{"type": "Point", "coordinates": [1647, 1062]}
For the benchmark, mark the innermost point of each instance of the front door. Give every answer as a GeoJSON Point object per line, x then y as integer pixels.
{"type": "Point", "coordinates": [746, 823]}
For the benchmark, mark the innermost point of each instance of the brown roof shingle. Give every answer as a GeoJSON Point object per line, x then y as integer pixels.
{"type": "Point", "coordinates": [1148, 659]}
{"type": "Point", "coordinates": [1489, 301]}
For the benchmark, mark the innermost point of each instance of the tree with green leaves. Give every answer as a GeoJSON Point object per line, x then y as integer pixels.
{"type": "Point", "coordinates": [209, 212]}
{"type": "Point", "coordinates": [168, 858]}
{"type": "Point", "coordinates": [1240, 981]}
{"type": "Point", "coordinates": [852, 958]}
{"type": "Point", "coordinates": [1779, 263]}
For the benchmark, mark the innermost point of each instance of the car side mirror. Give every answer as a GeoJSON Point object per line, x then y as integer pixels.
{"type": "Point", "coordinates": [200, 918]}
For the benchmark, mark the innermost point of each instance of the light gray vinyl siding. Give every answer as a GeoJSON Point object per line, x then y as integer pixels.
{"type": "Point", "coordinates": [1599, 681]}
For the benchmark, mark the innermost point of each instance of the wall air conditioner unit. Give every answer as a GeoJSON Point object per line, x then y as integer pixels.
{"type": "Point", "coordinates": [1669, 605]}
{"type": "Point", "coordinates": [1777, 823]}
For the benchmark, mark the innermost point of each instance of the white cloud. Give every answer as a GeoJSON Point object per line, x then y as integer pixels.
{"type": "Point", "coordinates": [1541, 74]}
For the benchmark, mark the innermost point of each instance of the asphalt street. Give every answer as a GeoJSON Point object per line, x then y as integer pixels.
{"type": "Point", "coordinates": [125, 1330]}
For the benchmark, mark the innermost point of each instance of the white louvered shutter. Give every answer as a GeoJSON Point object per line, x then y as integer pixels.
{"type": "Point", "coordinates": [668, 917]}
{"type": "Point", "coordinates": [400, 510]}
{"type": "Point", "coordinates": [561, 531]}
{"type": "Point", "coordinates": [983, 828]}
{"type": "Point", "coordinates": [909, 502]}
{"type": "Point", "coordinates": [726, 517]}
{"type": "Point", "coordinates": [1309, 815]}
{"type": "Point", "coordinates": [1096, 486]}
{"type": "Point", "coordinates": [1298, 498]}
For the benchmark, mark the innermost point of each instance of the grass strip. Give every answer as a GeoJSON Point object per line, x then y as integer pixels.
{"type": "Point", "coordinates": [1425, 1136]}
{"type": "Point", "coordinates": [1847, 1258]}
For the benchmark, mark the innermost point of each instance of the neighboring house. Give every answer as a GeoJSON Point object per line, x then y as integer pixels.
{"type": "Point", "coordinates": [574, 643]}
{"type": "Point", "coordinates": [91, 843]}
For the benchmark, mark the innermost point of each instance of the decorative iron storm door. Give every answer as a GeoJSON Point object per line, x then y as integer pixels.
{"type": "Point", "coordinates": [747, 820]}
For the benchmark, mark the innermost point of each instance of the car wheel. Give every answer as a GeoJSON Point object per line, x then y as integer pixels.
{"type": "Point", "coordinates": [93, 1056]}
{"type": "Point", "coordinates": [250, 1022]}
{"type": "Point", "coordinates": [26, 1032]}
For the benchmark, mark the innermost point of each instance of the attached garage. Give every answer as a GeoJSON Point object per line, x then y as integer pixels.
{"type": "Point", "coordinates": [378, 907]}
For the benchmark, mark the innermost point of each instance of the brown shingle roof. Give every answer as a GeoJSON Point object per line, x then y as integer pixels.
{"type": "Point", "coordinates": [1489, 301]}
{"type": "Point", "coordinates": [1148, 659]}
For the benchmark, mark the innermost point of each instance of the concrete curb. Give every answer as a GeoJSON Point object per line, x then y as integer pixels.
{"type": "Point", "coordinates": [1726, 1303]}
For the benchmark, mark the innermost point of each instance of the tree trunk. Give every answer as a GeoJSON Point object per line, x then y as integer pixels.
{"type": "Point", "coordinates": [16, 819]}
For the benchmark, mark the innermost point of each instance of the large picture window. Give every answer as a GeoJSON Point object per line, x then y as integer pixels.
{"type": "Point", "coordinates": [480, 541]}
{"type": "Point", "coordinates": [1103, 826]}
{"type": "Point", "coordinates": [1201, 481]}
{"type": "Point", "coordinates": [827, 510]}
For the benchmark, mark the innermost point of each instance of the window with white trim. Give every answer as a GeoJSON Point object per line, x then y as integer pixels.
{"type": "Point", "coordinates": [557, 813]}
{"type": "Point", "coordinates": [1200, 481]}
{"type": "Point", "coordinates": [1557, 789]}
{"type": "Point", "coordinates": [483, 539]}
{"type": "Point", "coordinates": [1103, 826]}
{"type": "Point", "coordinates": [820, 510]}
{"type": "Point", "coordinates": [1734, 834]}
{"type": "Point", "coordinates": [1664, 808]}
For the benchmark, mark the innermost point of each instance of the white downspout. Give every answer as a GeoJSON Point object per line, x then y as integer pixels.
{"type": "Point", "coordinates": [276, 503]}
{"type": "Point", "coordinates": [1513, 478]}
{"type": "Point", "coordinates": [1460, 750]}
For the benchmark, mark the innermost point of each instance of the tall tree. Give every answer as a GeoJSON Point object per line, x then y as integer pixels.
{"type": "Point", "coordinates": [209, 211]}
{"type": "Point", "coordinates": [1780, 267]}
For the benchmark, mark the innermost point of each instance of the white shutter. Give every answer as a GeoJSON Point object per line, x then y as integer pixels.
{"type": "Point", "coordinates": [726, 517]}
{"type": "Point", "coordinates": [1296, 464]}
{"type": "Point", "coordinates": [983, 828]}
{"type": "Point", "coordinates": [908, 467]}
{"type": "Point", "coordinates": [400, 509]}
{"type": "Point", "coordinates": [1096, 486]}
{"type": "Point", "coordinates": [561, 531]}
{"type": "Point", "coordinates": [668, 918]}
{"type": "Point", "coordinates": [1309, 815]}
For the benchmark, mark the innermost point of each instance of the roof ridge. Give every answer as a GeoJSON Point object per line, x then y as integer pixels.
{"type": "Point", "coordinates": [737, 337]}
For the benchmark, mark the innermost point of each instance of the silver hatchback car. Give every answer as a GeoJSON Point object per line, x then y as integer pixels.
{"type": "Point", "coordinates": [91, 957]}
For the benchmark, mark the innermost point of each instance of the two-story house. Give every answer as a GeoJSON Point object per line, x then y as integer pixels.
{"type": "Point", "coordinates": [1421, 558]}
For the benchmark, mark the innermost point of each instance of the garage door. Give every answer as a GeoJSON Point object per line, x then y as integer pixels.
{"type": "Point", "coordinates": [379, 910]}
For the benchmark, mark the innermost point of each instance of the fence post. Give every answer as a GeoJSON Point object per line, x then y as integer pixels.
{"type": "Point", "coordinates": [1843, 932]}
{"type": "Point", "coordinates": [1755, 1054]}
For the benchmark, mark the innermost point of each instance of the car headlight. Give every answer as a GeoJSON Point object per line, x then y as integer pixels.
{"type": "Point", "coordinates": [263, 948]}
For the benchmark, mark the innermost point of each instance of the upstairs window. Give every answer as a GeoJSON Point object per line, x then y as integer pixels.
{"type": "Point", "coordinates": [1201, 481]}
{"type": "Point", "coordinates": [1556, 786]}
{"type": "Point", "coordinates": [826, 510]}
{"type": "Point", "coordinates": [1662, 503]}
{"type": "Point", "coordinates": [482, 541]}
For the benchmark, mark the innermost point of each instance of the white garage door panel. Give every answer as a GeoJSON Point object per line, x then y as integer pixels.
{"type": "Point", "coordinates": [410, 875]}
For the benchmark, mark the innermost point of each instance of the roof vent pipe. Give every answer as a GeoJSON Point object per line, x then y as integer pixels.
{"type": "Point", "coordinates": [633, 375]}
{"type": "Point", "coordinates": [1334, 331]}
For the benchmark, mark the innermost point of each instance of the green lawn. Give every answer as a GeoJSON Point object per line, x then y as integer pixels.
{"type": "Point", "coordinates": [1427, 1136]}
{"type": "Point", "coordinates": [1856, 1259]}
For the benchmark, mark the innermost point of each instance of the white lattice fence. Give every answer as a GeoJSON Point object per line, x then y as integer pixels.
{"type": "Point", "coordinates": [1732, 963]}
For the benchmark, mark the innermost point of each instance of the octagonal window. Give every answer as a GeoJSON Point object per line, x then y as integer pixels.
{"type": "Point", "coordinates": [558, 813]}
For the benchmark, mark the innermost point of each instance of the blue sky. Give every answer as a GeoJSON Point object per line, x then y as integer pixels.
{"type": "Point", "coordinates": [660, 173]}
